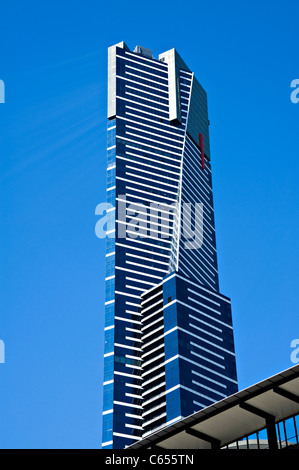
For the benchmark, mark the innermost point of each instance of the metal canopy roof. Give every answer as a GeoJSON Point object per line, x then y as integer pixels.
{"type": "Point", "coordinates": [238, 415]}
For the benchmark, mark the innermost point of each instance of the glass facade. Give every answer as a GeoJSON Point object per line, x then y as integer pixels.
{"type": "Point", "coordinates": [160, 221]}
{"type": "Point", "coordinates": [188, 350]}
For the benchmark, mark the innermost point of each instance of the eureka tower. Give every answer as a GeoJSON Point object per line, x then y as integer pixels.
{"type": "Point", "coordinates": [169, 348]}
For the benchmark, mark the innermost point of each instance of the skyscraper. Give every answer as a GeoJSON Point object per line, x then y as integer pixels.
{"type": "Point", "coordinates": [169, 347]}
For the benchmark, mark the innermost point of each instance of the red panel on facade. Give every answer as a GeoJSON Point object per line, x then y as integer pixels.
{"type": "Point", "coordinates": [202, 150]}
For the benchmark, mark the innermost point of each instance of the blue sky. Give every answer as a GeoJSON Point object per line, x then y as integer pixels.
{"type": "Point", "coordinates": [52, 174]}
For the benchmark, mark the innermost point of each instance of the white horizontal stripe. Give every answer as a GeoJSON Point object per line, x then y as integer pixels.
{"type": "Point", "coordinates": [205, 314]}
{"type": "Point", "coordinates": [148, 73]}
{"type": "Point", "coordinates": [201, 366]}
{"type": "Point", "coordinates": [152, 351]}
{"type": "Point", "coordinates": [154, 419]}
{"type": "Point", "coordinates": [132, 395]}
{"type": "Point", "coordinates": [167, 144]}
{"type": "Point", "coordinates": [128, 173]}
{"type": "Point", "coordinates": [208, 388]}
{"type": "Point", "coordinates": [193, 271]}
{"type": "Point", "coordinates": [150, 100]}
{"type": "Point", "coordinates": [159, 111]}
{"type": "Point", "coordinates": [140, 183]}
{"type": "Point", "coordinates": [200, 338]}
{"type": "Point", "coordinates": [156, 387]}
{"type": "Point", "coordinates": [147, 267]}
{"type": "Point", "coordinates": [129, 247]}
{"type": "Point", "coordinates": [134, 196]}
{"type": "Point", "coordinates": [141, 79]}
{"type": "Point", "coordinates": [204, 289]}
{"type": "Point", "coordinates": [108, 443]}
{"type": "Point", "coordinates": [162, 282]}
{"type": "Point", "coordinates": [151, 410]}
{"type": "Point", "coordinates": [207, 360]}
{"type": "Point", "coordinates": [203, 296]}
{"type": "Point", "coordinates": [147, 244]}
{"type": "Point", "coordinates": [136, 272]}
{"type": "Point", "coordinates": [133, 426]}
{"type": "Point", "coordinates": [144, 310]}
{"type": "Point", "coordinates": [127, 347]}
{"type": "Point", "coordinates": [206, 350]}
{"type": "Point", "coordinates": [161, 124]}
{"type": "Point", "coordinates": [152, 370]}
{"type": "Point", "coordinates": [108, 382]}
{"type": "Point", "coordinates": [147, 259]}
{"type": "Point", "coordinates": [109, 354]}
{"type": "Point", "coordinates": [143, 112]}
{"type": "Point", "coordinates": [147, 335]}
{"type": "Point", "coordinates": [171, 139]}
{"type": "Point", "coordinates": [205, 323]}
{"type": "Point", "coordinates": [148, 299]}
{"type": "Point", "coordinates": [133, 376]}
{"type": "Point", "coordinates": [148, 93]}
{"type": "Point", "coordinates": [161, 197]}
{"type": "Point", "coordinates": [159, 356]}
{"type": "Point", "coordinates": [129, 415]}
{"type": "Point", "coordinates": [137, 340]}
{"type": "Point", "coordinates": [110, 231]}
{"type": "Point", "coordinates": [200, 253]}
{"type": "Point", "coordinates": [205, 330]}
{"type": "Point", "coordinates": [126, 293]}
{"type": "Point", "coordinates": [156, 377]}
{"type": "Point", "coordinates": [150, 146]}
{"type": "Point", "coordinates": [140, 161]}
{"type": "Point", "coordinates": [135, 288]}
{"type": "Point", "coordinates": [134, 313]}
{"type": "Point", "coordinates": [151, 324]}
{"type": "Point", "coordinates": [204, 305]}
{"type": "Point", "coordinates": [128, 320]}
{"type": "Point", "coordinates": [152, 314]}
{"type": "Point", "coordinates": [108, 327]}
{"type": "Point", "coordinates": [127, 404]}
{"type": "Point", "coordinates": [162, 426]}
{"type": "Point", "coordinates": [190, 254]}
{"type": "Point", "coordinates": [133, 330]}
{"type": "Point", "coordinates": [186, 72]}
{"type": "Point", "coordinates": [177, 133]}
{"type": "Point", "coordinates": [209, 379]}
{"type": "Point", "coordinates": [166, 170]}
{"type": "Point", "coordinates": [135, 438]}
{"type": "Point", "coordinates": [139, 281]}
{"type": "Point", "coordinates": [159, 157]}
{"type": "Point", "coordinates": [139, 62]}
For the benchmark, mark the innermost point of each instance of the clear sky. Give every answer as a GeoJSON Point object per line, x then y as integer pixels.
{"type": "Point", "coordinates": [53, 61]}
